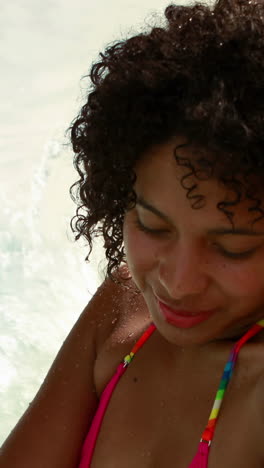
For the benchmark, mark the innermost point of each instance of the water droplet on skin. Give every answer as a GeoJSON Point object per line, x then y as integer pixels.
{"type": "Point", "coordinates": [114, 320]}
{"type": "Point", "coordinates": [146, 453]}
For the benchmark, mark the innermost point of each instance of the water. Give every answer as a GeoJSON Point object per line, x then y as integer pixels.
{"type": "Point", "coordinates": [45, 282]}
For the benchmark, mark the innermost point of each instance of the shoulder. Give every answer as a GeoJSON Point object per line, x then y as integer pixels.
{"type": "Point", "coordinates": [116, 306]}
{"type": "Point", "coordinates": [122, 319]}
{"type": "Point", "coordinates": [69, 380]}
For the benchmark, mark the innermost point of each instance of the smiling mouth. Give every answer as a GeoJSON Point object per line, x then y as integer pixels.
{"type": "Point", "coordinates": [183, 318]}
{"type": "Point", "coordinates": [184, 312]}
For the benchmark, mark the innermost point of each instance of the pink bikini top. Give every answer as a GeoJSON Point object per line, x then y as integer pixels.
{"type": "Point", "coordinates": [200, 460]}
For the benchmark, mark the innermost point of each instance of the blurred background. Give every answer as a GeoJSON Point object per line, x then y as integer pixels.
{"type": "Point", "coordinates": [44, 281]}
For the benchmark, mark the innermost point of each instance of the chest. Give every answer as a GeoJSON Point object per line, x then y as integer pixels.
{"type": "Point", "coordinates": [159, 410]}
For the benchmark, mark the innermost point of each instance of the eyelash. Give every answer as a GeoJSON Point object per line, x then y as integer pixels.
{"type": "Point", "coordinates": [225, 253]}
{"type": "Point", "coordinates": [143, 228]}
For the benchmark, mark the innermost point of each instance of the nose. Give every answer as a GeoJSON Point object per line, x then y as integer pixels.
{"type": "Point", "coordinates": [182, 273]}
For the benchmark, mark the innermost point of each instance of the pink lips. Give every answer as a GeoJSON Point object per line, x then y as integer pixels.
{"type": "Point", "coordinates": [183, 318]}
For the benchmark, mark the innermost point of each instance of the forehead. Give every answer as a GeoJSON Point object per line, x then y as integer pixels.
{"type": "Point", "coordinates": [169, 186]}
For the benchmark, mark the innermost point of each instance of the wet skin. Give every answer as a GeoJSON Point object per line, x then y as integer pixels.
{"type": "Point", "coordinates": [162, 403]}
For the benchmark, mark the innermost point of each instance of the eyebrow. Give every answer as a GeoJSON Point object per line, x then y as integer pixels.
{"type": "Point", "coordinates": [215, 232]}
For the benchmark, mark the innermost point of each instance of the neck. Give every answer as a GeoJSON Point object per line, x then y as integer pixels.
{"type": "Point", "coordinates": [217, 349]}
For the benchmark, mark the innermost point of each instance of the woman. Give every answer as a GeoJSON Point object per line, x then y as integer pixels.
{"type": "Point", "coordinates": [169, 149]}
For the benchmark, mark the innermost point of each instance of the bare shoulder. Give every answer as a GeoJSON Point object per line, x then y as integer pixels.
{"type": "Point", "coordinates": [122, 308]}
{"type": "Point", "coordinates": [54, 426]}
{"type": "Point", "coordinates": [125, 318]}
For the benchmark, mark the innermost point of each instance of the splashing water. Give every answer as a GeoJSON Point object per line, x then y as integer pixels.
{"type": "Point", "coordinates": [45, 282]}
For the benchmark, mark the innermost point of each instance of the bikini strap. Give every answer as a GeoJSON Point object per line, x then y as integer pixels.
{"type": "Point", "coordinates": [227, 374]}
{"type": "Point", "coordinates": [140, 342]}
{"type": "Point", "coordinates": [200, 459]}
{"type": "Point", "coordinates": [91, 438]}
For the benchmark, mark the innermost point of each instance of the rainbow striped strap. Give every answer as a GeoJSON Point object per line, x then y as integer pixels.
{"type": "Point", "coordinates": [208, 433]}
{"type": "Point", "coordinates": [128, 358]}
{"type": "Point", "coordinates": [227, 374]}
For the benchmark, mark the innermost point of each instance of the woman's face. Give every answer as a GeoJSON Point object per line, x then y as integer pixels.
{"type": "Point", "coordinates": [213, 279]}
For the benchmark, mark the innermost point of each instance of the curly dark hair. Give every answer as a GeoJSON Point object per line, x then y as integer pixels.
{"type": "Point", "coordinates": [200, 75]}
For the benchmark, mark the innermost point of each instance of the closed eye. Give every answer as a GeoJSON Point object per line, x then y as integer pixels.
{"type": "Point", "coordinates": [236, 255]}
{"type": "Point", "coordinates": [226, 253]}
{"type": "Point", "coordinates": [144, 228]}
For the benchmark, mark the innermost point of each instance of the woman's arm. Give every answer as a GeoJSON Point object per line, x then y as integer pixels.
{"type": "Point", "coordinates": [51, 431]}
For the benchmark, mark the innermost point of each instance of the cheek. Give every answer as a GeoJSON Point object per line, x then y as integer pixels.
{"type": "Point", "coordinates": [140, 252]}
{"type": "Point", "coordinates": [244, 281]}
